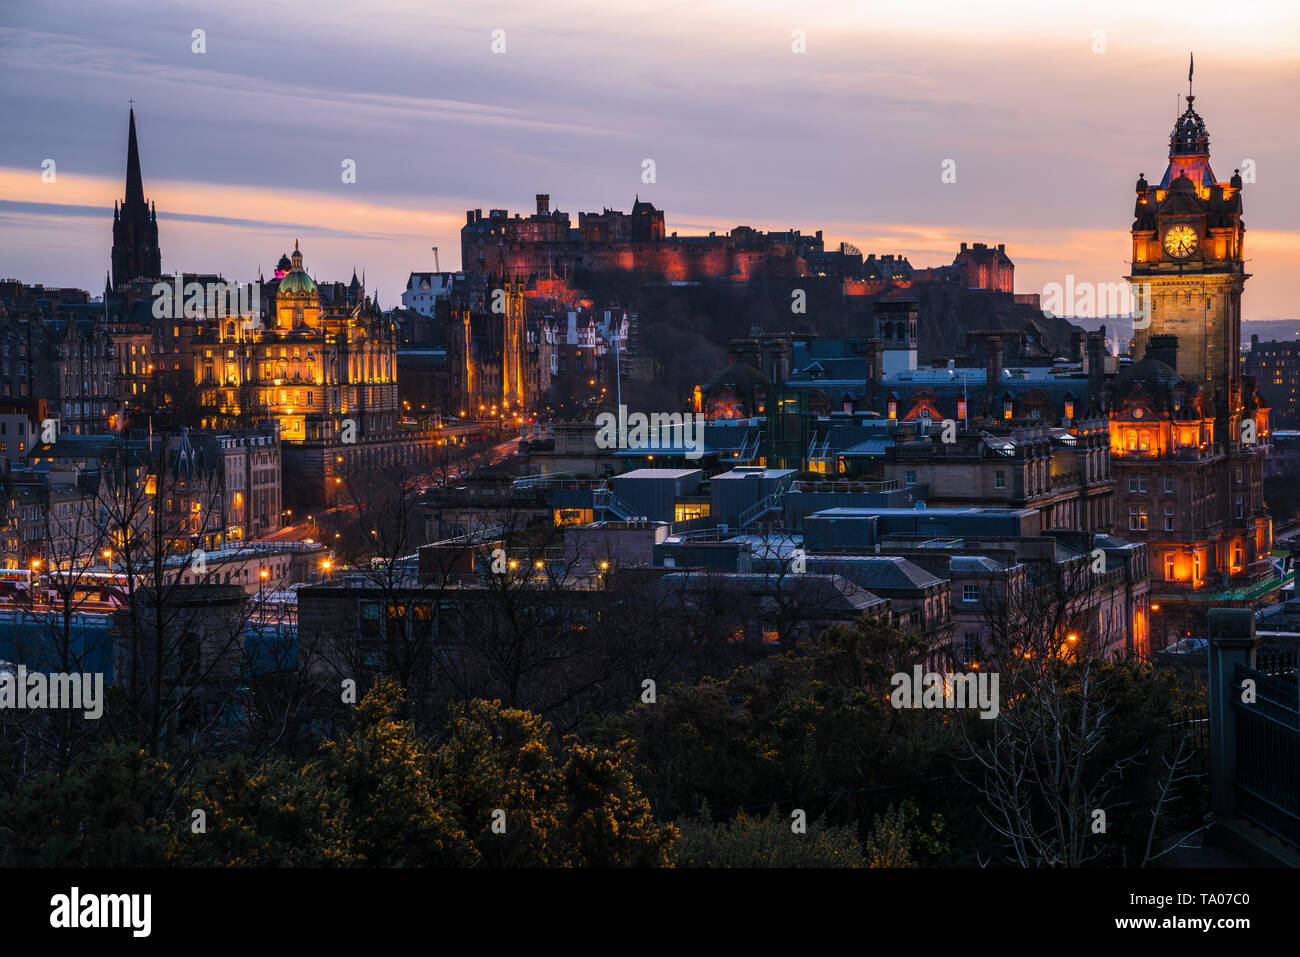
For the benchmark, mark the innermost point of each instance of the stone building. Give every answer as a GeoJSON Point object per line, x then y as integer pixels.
{"type": "Point", "coordinates": [1063, 473]}
{"type": "Point", "coordinates": [1189, 433]}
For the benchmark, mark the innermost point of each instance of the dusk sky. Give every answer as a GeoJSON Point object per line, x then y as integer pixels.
{"type": "Point", "coordinates": [242, 146]}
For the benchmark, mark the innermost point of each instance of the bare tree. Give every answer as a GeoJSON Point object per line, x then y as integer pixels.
{"type": "Point", "coordinates": [1044, 774]}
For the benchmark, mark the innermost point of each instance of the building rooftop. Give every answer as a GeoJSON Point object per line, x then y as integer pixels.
{"type": "Point", "coordinates": [657, 473]}
{"type": "Point", "coordinates": [876, 572]}
{"type": "Point", "coordinates": [745, 472]}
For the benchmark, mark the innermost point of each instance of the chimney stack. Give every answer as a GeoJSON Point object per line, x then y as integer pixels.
{"type": "Point", "coordinates": [1163, 348]}
{"type": "Point", "coordinates": [875, 370]}
{"type": "Point", "coordinates": [1096, 364]}
{"type": "Point", "coordinates": [992, 373]}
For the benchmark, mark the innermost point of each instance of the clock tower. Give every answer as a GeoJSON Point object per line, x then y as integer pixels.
{"type": "Point", "coordinates": [1189, 434]}
{"type": "Point", "coordinates": [1188, 266]}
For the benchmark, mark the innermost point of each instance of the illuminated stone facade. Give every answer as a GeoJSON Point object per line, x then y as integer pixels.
{"type": "Point", "coordinates": [324, 372]}
{"type": "Point", "coordinates": [545, 245]}
{"type": "Point", "coordinates": [1189, 435]}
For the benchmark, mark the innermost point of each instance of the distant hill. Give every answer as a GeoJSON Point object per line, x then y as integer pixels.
{"type": "Point", "coordinates": [1284, 329]}
{"type": "Point", "coordinates": [1122, 326]}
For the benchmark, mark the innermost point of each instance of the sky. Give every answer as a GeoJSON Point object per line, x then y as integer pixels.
{"type": "Point", "coordinates": [1048, 112]}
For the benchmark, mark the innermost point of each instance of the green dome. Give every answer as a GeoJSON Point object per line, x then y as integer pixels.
{"type": "Point", "coordinates": [296, 284]}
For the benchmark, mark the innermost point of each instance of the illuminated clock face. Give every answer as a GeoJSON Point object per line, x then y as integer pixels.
{"type": "Point", "coordinates": [1181, 241]}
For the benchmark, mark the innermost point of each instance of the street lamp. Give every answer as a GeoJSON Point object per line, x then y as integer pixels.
{"type": "Point", "coordinates": [108, 556]}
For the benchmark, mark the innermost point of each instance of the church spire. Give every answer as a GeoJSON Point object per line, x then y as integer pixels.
{"type": "Point", "coordinates": [134, 181]}
{"type": "Point", "coordinates": [135, 225]}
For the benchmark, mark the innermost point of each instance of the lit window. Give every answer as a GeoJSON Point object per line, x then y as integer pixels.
{"type": "Point", "coordinates": [1170, 566]}
{"type": "Point", "coordinates": [1137, 518]}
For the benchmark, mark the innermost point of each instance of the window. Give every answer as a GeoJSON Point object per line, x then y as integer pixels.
{"type": "Point", "coordinates": [1169, 483]}
{"type": "Point", "coordinates": [1238, 556]}
{"type": "Point", "coordinates": [1239, 507]}
{"type": "Point", "coordinates": [1144, 440]}
{"type": "Point", "coordinates": [1137, 518]}
{"type": "Point", "coordinates": [1169, 518]}
{"type": "Point", "coordinates": [1238, 476]}
{"type": "Point", "coordinates": [999, 479]}
{"type": "Point", "coordinates": [971, 646]}
{"type": "Point", "coordinates": [1069, 408]}
{"type": "Point", "coordinates": [961, 408]}
{"type": "Point", "coordinates": [1170, 566]}
{"type": "Point", "coordinates": [909, 478]}
{"type": "Point", "coordinates": [1137, 483]}
{"type": "Point", "coordinates": [970, 592]}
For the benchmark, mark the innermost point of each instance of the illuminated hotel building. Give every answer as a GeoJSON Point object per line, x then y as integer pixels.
{"type": "Point", "coordinates": [1189, 434]}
